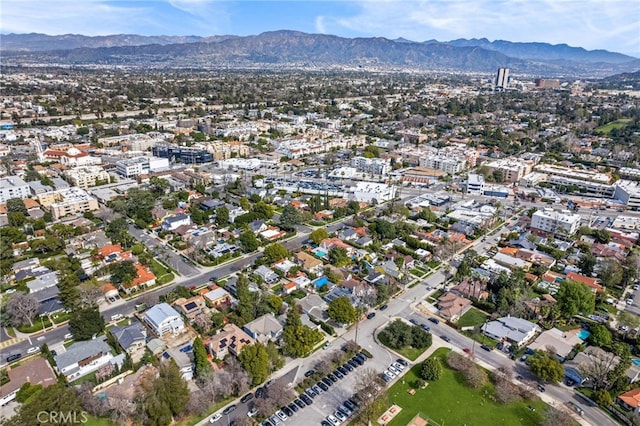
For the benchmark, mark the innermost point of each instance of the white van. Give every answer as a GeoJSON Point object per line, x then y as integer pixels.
{"type": "Point", "coordinates": [116, 317]}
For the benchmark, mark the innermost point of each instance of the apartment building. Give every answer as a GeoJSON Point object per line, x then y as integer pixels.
{"type": "Point", "coordinates": [551, 221]}
{"type": "Point", "coordinates": [475, 184]}
{"type": "Point", "coordinates": [68, 201]}
{"type": "Point", "coordinates": [512, 169]}
{"type": "Point", "coordinates": [13, 187]}
{"type": "Point", "coordinates": [183, 154]}
{"type": "Point", "coordinates": [87, 176]}
{"type": "Point", "coordinates": [444, 162]}
{"type": "Point", "coordinates": [133, 167]}
{"type": "Point", "coordinates": [377, 166]}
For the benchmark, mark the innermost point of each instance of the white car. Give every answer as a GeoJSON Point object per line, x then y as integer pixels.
{"type": "Point", "coordinates": [252, 412]}
{"type": "Point", "coordinates": [282, 415]}
{"type": "Point", "coordinates": [68, 336]}
{"type": "Point", "coordinates": [340, 416]}
{"type": "Point", "coordinates": [392, 369]}
{"type": "Point", "coordinates": [333, 420]}
{"type": "Point", "coordinates": [398, 366]}
{"type": "Point", "coordinates": [215, 418]}
{"type": "Point", "coordinates": [390, 373]}
{"type": "Point", "coordinates": [33, 350]}
{"type": "Point", "coordinates": [629, 301]}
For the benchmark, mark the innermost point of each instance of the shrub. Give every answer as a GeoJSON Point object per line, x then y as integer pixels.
{"type": "Point", "coordinates": [475, 377]}
{"type": "Point", "coordinates": [431, 369]}
{"type": "Point", "coordinates": [458, 362]}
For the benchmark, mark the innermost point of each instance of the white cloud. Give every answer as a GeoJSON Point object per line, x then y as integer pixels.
{"type": "Point", "coordinates": [320, 27]}
{"type": "Point", "coordinates": [592, 24]}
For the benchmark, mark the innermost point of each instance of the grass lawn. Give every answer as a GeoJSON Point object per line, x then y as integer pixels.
{"type": "Point", "coordinates": [407, 352]}
{"type": "Point", "coordinates": [433, 264]}
{"type": "Point", "coordinates": [418, 272]}
{"type": "Point", "coordinates": [449, 402]}
{"type": "Point", "coordinates": [37, 325]}
{"type": "Point", "coordinates": [10, 331]}
{"type": "Point", "coordinates": [97, 421]}
{"type": "Point", "coordinates": [618, 124]}
{"type": "Point", "coordinates": [473, 317]}
{"type": "Point", "coordinates": [480, 338]}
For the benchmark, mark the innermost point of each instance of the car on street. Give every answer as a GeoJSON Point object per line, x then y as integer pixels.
{"type": "Point", "coordinates": [392, 369]}
{"type": "Point", "coordinates": [541, 388]}
{"type": "Point", "coordinates": [252, 412]}
{"type": "Point", "coordinates": [13, 357]}
{"type": "Point", "coordinates": [229, 409]}
{"type": "Point", "coordinates": [629, 301]}
{"type": "Point", "coordinates": [215, 418]}
{"type": "Point", "coordinates": [467, 351]}
{"type": "Point", "coordinates": [383, 307]}
{"type": "Point", "coordinates": [426, 327]}
{"type": "Point", "coordinates": [247, 397]}
{"type": "Point", "coordinates": [371, 315]}
{"type": "Point", "coordinates": [413, 321]}
{"type": "Point", "coordinates": [486, 348]}
{"type": "Point", "coordinates": [434, 320]}
{"type": "Point", "coordinates": [445, 338]}
{"type": "Point", "coordinates": [33, 350]}
{"type": "Point", "coordinates": [259, 392]}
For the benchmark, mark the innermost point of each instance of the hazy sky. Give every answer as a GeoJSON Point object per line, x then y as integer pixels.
{"type": "Point", "coordinates": [593, 24]}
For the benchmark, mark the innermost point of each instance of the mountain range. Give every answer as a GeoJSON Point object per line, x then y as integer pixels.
{"type": "Point", "coordinates": [292, 49]}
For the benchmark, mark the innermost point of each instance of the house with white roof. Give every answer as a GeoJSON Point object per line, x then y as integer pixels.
{"type": "Point", "coordinates": [163, 319]}
{"type": "Point", "coordinates": [511, 329]}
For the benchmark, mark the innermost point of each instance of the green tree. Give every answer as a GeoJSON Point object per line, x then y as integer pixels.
{"type": "Point", "coordinates": [338, 257]}
{"type": "Point", "coordinates": [587, 262]}
{"type": "Point", "coordinates": [245, 300]}
{"type": "Point", "coordinates": [16, 205]}
{"type": "Point", "coordinates": [57, 398]}
{"type": "Point", "coordinates": [318, 235]}
{"type": "Point", "coordinates": [27, 392]}
{"type": "Point", "coordinates": [222, 216]}
{"type": "Point", "coordinates": [574, 297]}
{"type": "Point", "coordinates": [610, 273]}
{"type": "Point", "coordinates": [249, 241]}
{"type": "Point", "coordinates": [274, 252]}
{"type": "Point", "coordinates": [85, 323]}
{"type": "Point", "coordinates": [298, 338]}
{"type": "Point", "coordinates": [546, 367]}
{"type": "Point", "coordinates": [167, 396]}
{"type": "Point", "coordinates": [202, 364]}
{"type": "Point", "coordinates": [290, 217]}
{"type": "Point", "coordinates": [255, 360]}
{"type": "Point", "coordinates": [431, 369]}
{"type": "Point", "coordinates": [342, 311]}
{"type": "Point", "coordinates": [600, 335]}
{"type": "Point", "coordinates": [123, 272]}
{"type": "Point", "coordinates": [158, 185]}
{"type": "Point", "coordinates": [420, 338]}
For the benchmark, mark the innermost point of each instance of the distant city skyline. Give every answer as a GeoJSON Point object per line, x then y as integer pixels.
{"type": "Point", "coordinates": [612, 25]}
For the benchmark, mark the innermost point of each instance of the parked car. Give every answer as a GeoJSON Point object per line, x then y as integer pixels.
{"type": "Point", "coordinates": [338, 374]}
{"type": "Point", "coordinates": [247, 397]}
{"type": "Point", "coordinates": [215, 418]}
{"type": "Point", "coordinates": [288, 411]}
{"type": "Point", "coordinates": [229, 409]}
{"type": "Point", "coordinates": [434, 320]}
{"type": "Point", "coordinates": [13, 357]}
{"type": "Point", "coordinates": [281, 415]}
{"type": "Point", "coordinates": [334, 421]}
{"type": "Point", "coordinates": [338, 414]}
{"type": "Point", "coordinates": [252, 412]}
{"type": "Point", "coordinates": [398, 366]}
{"type": "Point", "coordinates": [371, 315]}
{"type": "Point", "coordinates": [383, 307]}
{"type": "Point", "coordinates": [402, 362]}
{"type": "Point", "coordinates": [309, 373]}
{"type": "Point", "coordinates": [305, 399]}
{"type": "Point", "coordinates": [426, 327]}
{"type": "Point", "coordinates": [299, 403]}
{"type": "Point", "coordinates": [467, 350]}
{"type": "Point", "coordinates": [541, 388]}
{"type": "Point", "coordinates": [486, 348]}
{"type": "Point", "coordinates": [350, 404]}
{"type": "Point", "coordinates": [445, 338]}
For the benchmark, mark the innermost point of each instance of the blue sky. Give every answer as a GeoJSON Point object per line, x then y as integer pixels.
{"type": "Point", "coordinates": [593, 24]}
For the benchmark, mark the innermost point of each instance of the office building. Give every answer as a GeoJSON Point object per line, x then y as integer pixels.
{"type": "Point", "coordinates": [182, 154]}
{"type": "Point", "coordinates": [628, 192]}
{"type": "Point", "coordinates": [475, 184]}
{"type": "Point", "coordinates": [133, 167]}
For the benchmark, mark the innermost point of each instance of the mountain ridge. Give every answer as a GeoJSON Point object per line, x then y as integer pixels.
{"type": "Point", "coordinates": [284, 48]}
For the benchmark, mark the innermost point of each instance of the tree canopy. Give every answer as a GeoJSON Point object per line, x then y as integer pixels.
{"type": "Point", "coordinates": [574, 297]}
{"type": "Point", "coordinates": [298, 338]}
{"type": "Point", "coordinates": [255, 360]}
{"type": "Point", "coordinates": [341, 310]}
{"type": "Point", "coordinates": [546, 367]}
{"type": "Point", "coordinates": [318, 235]}
{"type": "Point", "coordinates": [274, 252]}
{"type": "Point", "coordinates": [85, 323]}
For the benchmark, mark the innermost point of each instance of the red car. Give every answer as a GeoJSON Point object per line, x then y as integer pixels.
{"type": "Point", "coordinates": [467, 350]}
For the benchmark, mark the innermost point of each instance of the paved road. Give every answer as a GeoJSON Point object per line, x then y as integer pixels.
{"type": "Point", "coordinates": [165, 253]}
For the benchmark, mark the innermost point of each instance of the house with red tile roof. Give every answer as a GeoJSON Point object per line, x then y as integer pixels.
{"type": "Point", "coordinates": [452, 307]}
{"type": "Point", "coordinates": [592, 283]}
{"type": "Point", "coordinates": [144, 278]}
{"type": "Point", "coordinates": [630, 401]}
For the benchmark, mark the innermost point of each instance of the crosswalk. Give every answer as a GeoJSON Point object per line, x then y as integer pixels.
{"type": "Point", "coordinates": [10, 342]}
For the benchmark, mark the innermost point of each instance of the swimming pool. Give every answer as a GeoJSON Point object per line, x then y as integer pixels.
{"type": "Point", "coordinates": [636, 361]}
{"type": "Point", "coordinates": [320, 253]}
{"type": "Point", "coordinates": [583, 334]}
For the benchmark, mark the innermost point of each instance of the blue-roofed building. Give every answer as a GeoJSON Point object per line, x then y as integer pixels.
{"type": "Point", "coordinates": [163, 319]}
